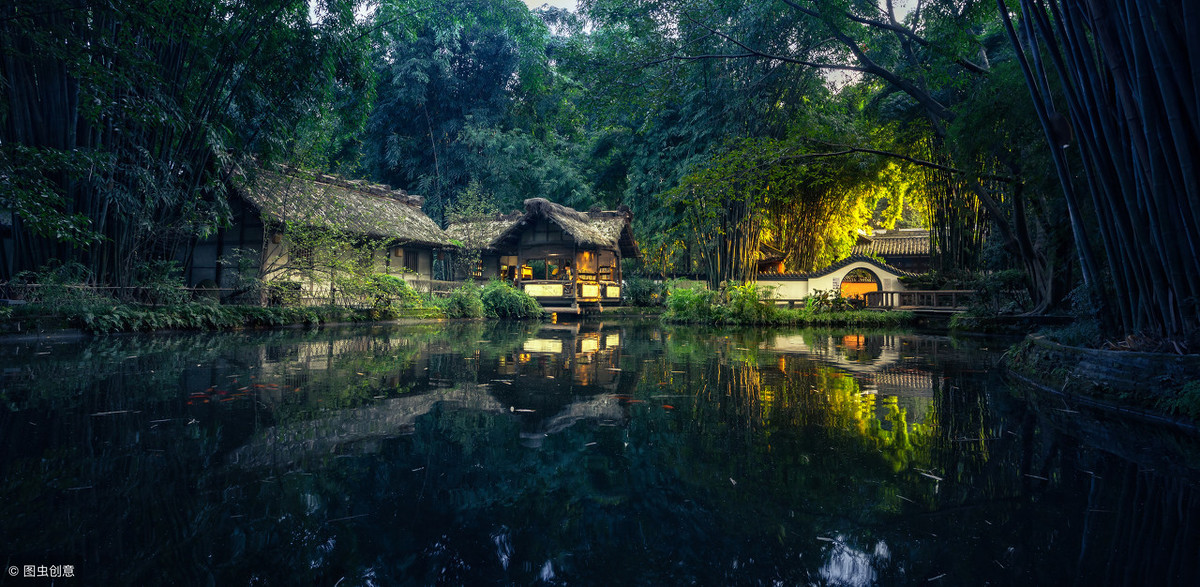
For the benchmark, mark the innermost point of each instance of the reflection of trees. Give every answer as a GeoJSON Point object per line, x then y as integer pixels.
{"type": "Point", "coordinates": [731, 461]}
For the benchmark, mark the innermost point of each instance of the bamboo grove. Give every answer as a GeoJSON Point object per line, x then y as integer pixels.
{"type": "Point", "coordinates": [122, 120]}
{"type": "Point", "coordinates": [1130, 93]}
{"type": "Point", "coordinates": [725, 125]}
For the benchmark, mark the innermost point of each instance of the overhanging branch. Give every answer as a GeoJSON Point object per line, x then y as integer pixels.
{"type": "Point", "coordinates": [850, 149]}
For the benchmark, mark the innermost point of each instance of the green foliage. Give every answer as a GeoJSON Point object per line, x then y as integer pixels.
{"type": "Point", "coordinates": [386, 294]}
{"type": "Point", "coordinates": [391, 290]}
{"type": "Point", "coordinates": [1183, 402]}
{"type": "Point", "coordinates": [463, 302]}
{"type": "Point", "coordinates": [641, 291]}
{"type": "Point", "coordinates": [57, 286]}
{"type": "Point", "coordinates": [64, 291]}
{"type": "Point", "coordinates": [501, 300]}
{"type": "Point", "coordinates": [750, 305]}
{"type": "Point", "coordinates": [29, 190]}
{"type": "Point", "coordinates": [827, 301]}
{"type": "Point", "coordinates": [204, 316]}
{"type": "Point", "coordinates": [161, 283]}
{"type": "Point", "coordinates": [126, 118]}
{"type": "Point", "coordinates": [471, 210]}
{"type": "Point", "coordinates": [1000, 292]}
{"type": "Point", "coordinates": [242, 273]}
{"type": "Point", "coordinates": [466, 93]}
{"type": "Point", "coordinates": [694, 304]}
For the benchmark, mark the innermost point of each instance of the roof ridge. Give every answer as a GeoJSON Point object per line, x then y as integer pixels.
{"type": "Point", "coordinates": [842, 263]}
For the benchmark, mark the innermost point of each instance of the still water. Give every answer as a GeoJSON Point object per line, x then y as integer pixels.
{"type": "Point", "coordinates": [592, 454]}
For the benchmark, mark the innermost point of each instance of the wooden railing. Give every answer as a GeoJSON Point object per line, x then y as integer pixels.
{"type": "Point", "coordinates": [944, 299]}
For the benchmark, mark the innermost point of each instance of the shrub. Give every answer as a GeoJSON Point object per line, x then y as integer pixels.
{"type": "Point", "coordinates": [463, 302]}
{"type": "Point", "coordinates": [390, 290]}
{"type": "Point", "coordinates": [827, 301]}
{"type": "Point", "coordinates": [501, 300]}
{"type": "Point", "coordinates": [161, 283]}
{"type": "Point", "coordinates": [694, 305]}
{"type": "Point", "coordinates": [751, 304]}
{"type": "Point", "coordinates": [640, 291]}
{"type": "Point", "coordinates": [59, 287]}
{"type": "Point", "coordinates": [1184, 402]}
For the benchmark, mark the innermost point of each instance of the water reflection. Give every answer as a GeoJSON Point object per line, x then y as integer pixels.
{"type": "Point", "coordinates": [584, 453]}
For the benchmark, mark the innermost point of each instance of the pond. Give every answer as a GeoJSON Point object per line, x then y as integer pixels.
{"type": "Point", "coordinates": [614, 453]}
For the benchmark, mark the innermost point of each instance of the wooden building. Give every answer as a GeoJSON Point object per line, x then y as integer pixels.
{"type": "Point", "coordinates": [569, 260]}
{"type": "Point", "coordinates": [271, 209]}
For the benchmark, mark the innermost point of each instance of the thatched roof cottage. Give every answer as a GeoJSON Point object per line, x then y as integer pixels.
{"type": "Point", "coordinates": [569, 260]}
{"type": "Point", "coordinates": [271, 209]}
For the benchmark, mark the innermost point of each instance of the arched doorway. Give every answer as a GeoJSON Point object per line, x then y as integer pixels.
{"type": "Point", "coordinates": [858, 282]}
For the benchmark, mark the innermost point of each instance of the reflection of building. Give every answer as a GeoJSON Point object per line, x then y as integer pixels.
{"type": "Point", "coordinates": [881, 364]}
{"type": "Point", "coordinates": [562, 374]}
{"type": "Point", "coordinates": [284, 445]}
{"type": "Point", "coordinates": [566, 259]}
{"type": "Point", "coordinates": [585, 357]}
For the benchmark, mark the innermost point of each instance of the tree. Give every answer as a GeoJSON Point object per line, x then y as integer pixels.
{"type": "Point", "coordinates": [133, 115]}
{"type": "Point", "coordinates": [915, 76]}
{"type": "Point", "coordinates": [466, 93]}
{"type": "Point", "coordinates": [811, 206]}
{"type": "Point", "coordinates": [471, 211]}
{"type": "Point", "coordinates": [1127, 71]}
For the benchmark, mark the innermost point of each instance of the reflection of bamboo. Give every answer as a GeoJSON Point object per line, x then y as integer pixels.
{"type": "Point", "coordinates": [1150, 537]}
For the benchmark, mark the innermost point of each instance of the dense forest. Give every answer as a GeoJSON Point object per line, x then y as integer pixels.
{"type": "Point", "coordinates": [1049, 143]}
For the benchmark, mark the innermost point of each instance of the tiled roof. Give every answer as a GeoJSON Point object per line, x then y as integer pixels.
{"type": "Point", "coordinates": [770, 254]}
{"type": "Point", "coordinates": [834, 267]}
{"type": "Point", "coordinates": [894, 242]}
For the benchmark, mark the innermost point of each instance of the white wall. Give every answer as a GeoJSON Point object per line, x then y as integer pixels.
{"type": "Point", "coordinates": [797, 288]}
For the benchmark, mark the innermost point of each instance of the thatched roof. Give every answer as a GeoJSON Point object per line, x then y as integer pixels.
{"type": "Point", "coordinates": [480, 234]}
{"type": "Point", "coordinates": [888, 243]}
{"type": "Point", "coordinates": [602, 229]}
{"type": "Point", "coordinates": [352, 207]}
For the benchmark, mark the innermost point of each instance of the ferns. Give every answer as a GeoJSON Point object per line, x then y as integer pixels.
{"type": "Point", "coordinates": [204, 316]}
